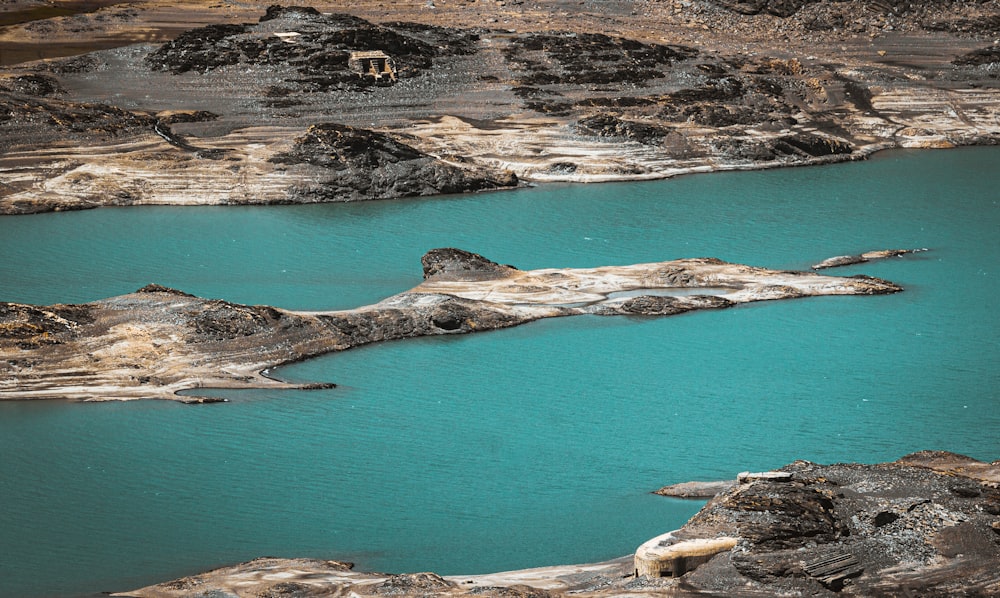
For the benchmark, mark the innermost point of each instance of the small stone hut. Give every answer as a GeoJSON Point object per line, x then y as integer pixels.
{"type": "Point", "coordinates": [373, 63]}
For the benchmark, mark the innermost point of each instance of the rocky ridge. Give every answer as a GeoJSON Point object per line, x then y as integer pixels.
{"type": "Point", "coordinates": [158, 341]}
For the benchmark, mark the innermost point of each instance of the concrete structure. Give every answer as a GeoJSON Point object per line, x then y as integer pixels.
{"type": "Point", "coordinates": [664, 556]}
{"type": "Point", "coordinates": [374, 63]}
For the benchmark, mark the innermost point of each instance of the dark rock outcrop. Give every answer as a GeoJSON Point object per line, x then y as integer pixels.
{"type": "Point", "coordinates": [778, 8]}
{"type": "Point", "coordinates": [985, 56]}
{"type": "Point", "coordinates": [32, 85]}
{"type": "Point", "coordinates": [157, 288]}
{"type": "Point", "coordinates": [812, 145]}
{"type": "Point", "coordinates": [787, 8]}
{"type": "Point", "coordinates": [983, 26]}
{"type": "Point", "coordinates": [656, 305]}
{"type": "Point", "coordinates": [221, 320]}
{"type": "Point", "coordinates": [591, 58]}
{"type": "Point", "coordinates": [514, 591]}
{"type": "Point", "coordinates": [363, 164]}
{"type": "Point", "coordinates": [320, 51]}
{"type": "Point", "coordinates": [277, 11]}
{"type": "Point", "coordinates": [461, 264]}
{"type": "Point", "coordinates": [30, 327]}
{"type": "Point", "coordinates": [341, 147]}
{"type": "Point", "coordinates": [410, 584]}
{"type": "Point", "coordinates": [198, 50]}
{"type": "Point", "coordinates": [613, 126]}
{"type": "Point", "coordinates": [858, 530]}
{"type": "Point", "coordinates": [46, 117]}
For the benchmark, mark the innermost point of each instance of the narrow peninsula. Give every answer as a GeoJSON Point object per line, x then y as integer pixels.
{"type": "Point", "coordinates": [158, 341]}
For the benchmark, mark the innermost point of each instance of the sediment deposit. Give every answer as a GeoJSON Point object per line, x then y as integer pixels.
{"type": "Point", "coordinates": [236, 103]}
{"type": "Point", "coordinates": [158, 341]}
{"type": "Point", "coordinates": [925, 525]}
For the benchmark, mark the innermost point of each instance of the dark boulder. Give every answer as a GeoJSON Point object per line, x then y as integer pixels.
{"type": "Point", "coordinates": [985, 56]}
{"type": "Point", "coordinates": [459, 263]}
{"type": "Point", "coordinates": [276, 11]}
{"type": "Point", "coordinates": [364, 164]}
{"type": "Point", "coordinates": [613, 126]}
{"type": "Point", "coordinates": [812, 145]}
{"type": "Point", "coordinates": [197, 50]}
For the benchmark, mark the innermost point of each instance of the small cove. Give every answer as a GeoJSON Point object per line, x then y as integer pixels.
{"type": "Point", "coordinates": [523, 447]}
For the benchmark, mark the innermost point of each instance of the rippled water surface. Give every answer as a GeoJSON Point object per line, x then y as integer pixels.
{"type": "Point", "coordinates": [530, 446]}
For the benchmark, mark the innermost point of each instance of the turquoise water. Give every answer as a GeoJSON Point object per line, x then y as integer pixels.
{"type": "Point", "coordinates": [524, 447]}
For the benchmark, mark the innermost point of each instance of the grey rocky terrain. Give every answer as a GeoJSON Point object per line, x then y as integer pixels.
{"type": "Point", "coordinates": [272, 104]}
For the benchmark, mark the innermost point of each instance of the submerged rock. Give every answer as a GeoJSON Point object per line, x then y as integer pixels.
{"type": "Point", "coordinates": [848, 260]}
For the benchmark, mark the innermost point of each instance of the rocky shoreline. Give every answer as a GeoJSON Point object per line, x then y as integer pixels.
{"type": "Point", "coordinates": [185, 102]}
{"type": "Point", "coordinates": [261, 105]}
{"type": "Point", "coordinates": [158, 341]}
{"type": "Point", "coordinates": [927, 524]}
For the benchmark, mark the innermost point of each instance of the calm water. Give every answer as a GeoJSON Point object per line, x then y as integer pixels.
{"type": "Point", "coordinates": [531, 446]}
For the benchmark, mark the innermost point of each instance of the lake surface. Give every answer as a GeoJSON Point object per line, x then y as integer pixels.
{"type": "Point", "coordinates": [524, 447]}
